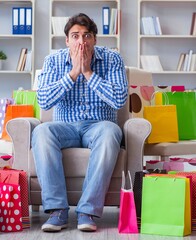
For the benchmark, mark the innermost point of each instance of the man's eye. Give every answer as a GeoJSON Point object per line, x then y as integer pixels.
{"type": "Point", "coordinates": [74, 36]}
{"type": "Point", "coordinates": [88, 35]}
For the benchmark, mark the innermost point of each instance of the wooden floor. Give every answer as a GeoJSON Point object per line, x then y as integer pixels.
{"type": "Point", "coordinates": [107, 229]}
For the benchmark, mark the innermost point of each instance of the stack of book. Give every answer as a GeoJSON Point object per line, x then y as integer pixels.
{"type": "Point", "coordinates": [22, 20]}
{"type": "Point", "coordinates": [151, 26]}
{"type": "Point", "coordinates": [24, 61]}
{"type": "Point", "coordinates": [187, 62]}
{"type": "Point", "coordinates": [58, 25]}
{"type": "Point", "coordinates": [151, 63]}
{"type": "Point", "coordinates": [110, 20]}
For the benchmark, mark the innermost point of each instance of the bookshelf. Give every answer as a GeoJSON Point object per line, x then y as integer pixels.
{"type": "Point", "coordinates": [175, 17]}
{"type": "Point", "coordinates": [93, 8]}
{"type": "Point", "coordinates": [12, 44]}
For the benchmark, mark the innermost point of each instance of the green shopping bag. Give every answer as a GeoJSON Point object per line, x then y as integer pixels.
{"type": "Point", "coordinates": [27, 97]}
{"type": "Point", "coordinates": [166, 206]}
{"type": "Point", "coordinates": [185, 103]}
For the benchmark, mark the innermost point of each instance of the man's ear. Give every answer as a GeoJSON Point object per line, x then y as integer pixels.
{"type": "Point", "coordinates": [67, 41]}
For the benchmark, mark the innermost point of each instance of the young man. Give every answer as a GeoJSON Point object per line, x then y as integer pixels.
{"type": "Point", "coordinates": [86, 85]}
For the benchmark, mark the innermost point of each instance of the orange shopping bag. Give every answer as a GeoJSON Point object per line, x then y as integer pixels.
{"type": "Point", "coordinates": [15, 111]}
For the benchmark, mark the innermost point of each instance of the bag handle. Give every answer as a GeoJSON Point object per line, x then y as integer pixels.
{"type": "Point", "coordinates": [165, 96]}
{"type": "Point", "coordinates": [123, 180]}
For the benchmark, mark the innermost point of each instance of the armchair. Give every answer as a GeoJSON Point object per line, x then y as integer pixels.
{"type": "Point", "coordinates": [75, 160]}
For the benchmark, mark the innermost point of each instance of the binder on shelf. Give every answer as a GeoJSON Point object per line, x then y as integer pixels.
{"type": "Point", "coordinates": [28, 20]}
{"type": "Point", "coordinates": [21, 20]}
{"type": "Point", "coordinates": [106, 19]}
{"type": "Point", "coordinates": [15, 18]}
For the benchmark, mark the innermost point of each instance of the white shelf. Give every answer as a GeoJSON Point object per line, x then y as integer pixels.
{"type": "Point", "coordinates": [175, 19]}
{"type": "Point", "coordinates": [12, 44]}
{"type": "Point", "coordinates": [93, 8]}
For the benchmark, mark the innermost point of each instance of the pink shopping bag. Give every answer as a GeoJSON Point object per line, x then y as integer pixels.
{"type": "Point", "coordinates": [127, 218]}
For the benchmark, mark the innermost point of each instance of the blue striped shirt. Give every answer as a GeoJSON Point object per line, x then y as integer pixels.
{"type": "Point", "coordinates": [99, 98]}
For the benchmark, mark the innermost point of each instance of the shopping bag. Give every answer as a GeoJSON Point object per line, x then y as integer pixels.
{"type": "Point", "coordinates": [4, 102]}
{"type": "Point", "coordinates": [10, 207]}
{"type": "Point", "coordinates": [163, 119]}
{"type": "Point", "coordinates": [27, 97]}
{"type": "Point", "coordinates": [166, 206]}
{"type": "Point", "coordinates": [193, 200]}
{"type": "Point", "coordinates": [127, 217]}
{"type": "Point", "coordinates": [137, 189]}
{"type": "Point", "coordinates": [19, 177]}
{"type": "Point", "coordinates": [15, 111]}
{"type": "Point", "coordinates": [141, 95]}
{"type": "Point", "coordinates": [185, 104]}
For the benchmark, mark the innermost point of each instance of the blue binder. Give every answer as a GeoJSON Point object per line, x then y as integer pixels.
{"type": "Point", "coordinates": [21, 20]}
{"type": "Point", "coordinates": [28, 20]}
{"type": "Point", "coordinates": [15, 20]}
{"type": "Point", "coordinates": [106, 19]}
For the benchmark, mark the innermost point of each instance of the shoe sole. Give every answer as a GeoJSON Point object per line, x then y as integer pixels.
{"type": "Point", "coordinates": [87, 228]}
{"type": "Point", "coordinates": [53, 228]}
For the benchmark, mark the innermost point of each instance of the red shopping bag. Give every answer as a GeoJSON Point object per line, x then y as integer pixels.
{"type": "Point", "coordinates": [19, 177]}
{"type": "Point", "coordinates": [127, 217]}
{"type": "Point", "coordinates": [10, 207]}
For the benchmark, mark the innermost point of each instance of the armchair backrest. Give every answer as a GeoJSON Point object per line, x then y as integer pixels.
{"type": "Point", "coordinates": [135, 76]}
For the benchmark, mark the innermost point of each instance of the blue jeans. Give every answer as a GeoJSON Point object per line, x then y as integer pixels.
{"type": "Point", "coordinates": [102, 137]}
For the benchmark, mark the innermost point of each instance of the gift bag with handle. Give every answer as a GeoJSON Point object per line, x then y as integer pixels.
{"type": "Point", "coordinates": [27, 97]}
{"type": "Point", "coordinates": [166, 206]}
{"type": "Point", "coordinates": [164, 123]}
{"type": "Point", "coordinates": [10, 207]}
{"type": "Point", "coordinates": [127, 218]}
{"type": "Point", "coordinates": [18, 178]}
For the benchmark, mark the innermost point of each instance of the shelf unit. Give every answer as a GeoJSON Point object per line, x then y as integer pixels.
{"type": "Point", "coordinates": [11, 44]}
{"type": "Point", "coordinates": [93, 8]}
{"type": "Point", "coordinates": [175, 19]}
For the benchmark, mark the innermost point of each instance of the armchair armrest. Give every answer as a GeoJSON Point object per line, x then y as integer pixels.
{"type": "Point", "coordinates": [136, 130]}
{"type": "Point", "coordinates": [20, 129]}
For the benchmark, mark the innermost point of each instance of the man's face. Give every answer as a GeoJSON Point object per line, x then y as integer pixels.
{"type": "Point", "coordinates": [80, 35]}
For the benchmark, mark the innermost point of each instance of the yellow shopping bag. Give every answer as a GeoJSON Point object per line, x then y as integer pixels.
{"type": "Point", "coordinates": [164, 123]}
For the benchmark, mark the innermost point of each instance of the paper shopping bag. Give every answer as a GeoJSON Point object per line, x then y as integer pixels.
{"type": "Point", "coordinates": [127, 218]}
{"type": "Point", "coordinates": [28, 97]}
{"type": "Point", "coordinates": [141, 95]}
{"type": "Point", "coordinates": [15, 111]}
{"type": "Point", "coordinates": [137, 189]}
{"type": "Point", "coordinates": [19, 177]}
{"type": "Point", "coordinates": [193, 200]}
{"type": "Point", "coordinates": [166, 206]}
{"type": "Point", "coordinates": [185, 104]}
{"type": "Point", "coordinates": [10, 207]}
{"type": "Point", "coordinates": [4, 102]}
{"type": "Point", "coordinates": [163, 119]}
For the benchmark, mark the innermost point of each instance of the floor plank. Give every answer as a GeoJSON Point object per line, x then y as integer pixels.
{"type": "Point", "coordinates": [107, 229]}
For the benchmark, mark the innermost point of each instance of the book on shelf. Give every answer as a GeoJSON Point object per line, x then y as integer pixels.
{"type": "Point", "coordinates": [22, 20]}
{"type": "Point", "coordinates": [193, 24]}
{"type": "Point", "coordinates": [151, 63]}
{"type": "Point", "coordinates": [186, 62]}
{"type": "Point", "coordinates": [21, 60]}
{"type": "Point", "coordinates": [151, 26]}
{"type": "Point", "coordinates": [28, 62]}
{"type": "Point", "coordinates": [58, 25]}
{"type": "Point", "coordinates": [113, 21]}
{"type": "Point", "coordinates": [181, 61]}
